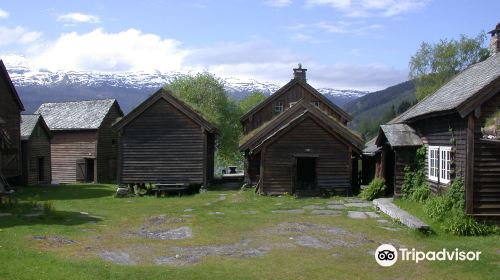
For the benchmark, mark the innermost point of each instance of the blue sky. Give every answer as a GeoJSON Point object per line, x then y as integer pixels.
{"type": "Point", "coordinates": [358, 44]}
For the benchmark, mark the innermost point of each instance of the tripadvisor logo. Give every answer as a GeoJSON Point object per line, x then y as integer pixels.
{"type": "Point", "coordinates": [387, 255]}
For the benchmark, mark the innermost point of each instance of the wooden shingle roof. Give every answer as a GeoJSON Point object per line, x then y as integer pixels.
{"type": "Point", "coordinates": [295, 114]}
{"type": "Point", "coordinates": [399, 135]}
{"type": "Point", "coordinates": [462, 94]}
{"type": "Point", "coordinates": [28, 124]}
{"type": "Point", "coordinates": [309, 88]}
{"type": "Point", "coordinates": [76, 115]}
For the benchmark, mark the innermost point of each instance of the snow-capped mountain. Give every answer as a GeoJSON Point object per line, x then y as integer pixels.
{"type": "Point", "coordinates": [130, 88]}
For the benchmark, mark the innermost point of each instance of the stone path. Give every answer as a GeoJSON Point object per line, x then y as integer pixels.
{"type": "Point", "coordinates": [385, 205]}
{"type": "Point", "coordinates": [289, 211]}
{"type": "Point", "coordinates": [326, 212]}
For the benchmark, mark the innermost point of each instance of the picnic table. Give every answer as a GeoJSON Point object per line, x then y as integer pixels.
{"type": "Point", "coordinates": [163, 189]}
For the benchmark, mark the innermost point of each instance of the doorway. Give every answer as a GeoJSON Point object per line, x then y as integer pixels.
{"type": "Point", "coordinates": [41, 169]}
{"type": "Point", "coordinates": [306, 173]}
{"type": "Point", "coordinates": [389, 171]}
{"type": "Point", "coordinates": [89, 170]}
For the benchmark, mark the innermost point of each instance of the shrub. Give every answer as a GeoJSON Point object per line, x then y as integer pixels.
{"type": "Point", "coordinates": [437, 207]}
{"type": "Point", "coordinates": [415, 178]}
{"type": "Point", "coordinates": [461, 224]}
{"type": "Point", "coordinates": [375, 189]}
{"type": "Point", "coordinates": [421, 193]}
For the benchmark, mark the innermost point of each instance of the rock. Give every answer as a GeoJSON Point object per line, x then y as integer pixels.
{"type": "Point", "coordinates": [188, 209]}
{"type": "Point", "coordinates": [335, 206]}
{"type": "Point", "coordinates": [326, 212]}
{"type": "Point", "coordinates": [117, 257]}
{"type": "Point", "coordinates": [385, 205]}
{"type": "Point", "coordinates": [356, 215]}
{"type": "Point", "coordinates": [122, 192]}
{"type": "Point", "coordinates": [312, 242]}
{"type": "Point", "coordinates": [289, 211]}
{"type": "Point", "coordinates": [359, 204]}
{"type": "Point", "coordinates": [313, 207]}
{"type": "Point", "coordinates": [5, 214]}
{"type": "Point", "coordinates": [372, 214]}
{"type": "Point", "coordinates": [382, 221]}
{"type": "Point", "coordinates": [391, 229]}
{"type": "Point", "coordinates": [172, 234]}
{"type": "Point", "coordinates": [187, 215]}
{"type": "Point", "coordinates": [215, 213]}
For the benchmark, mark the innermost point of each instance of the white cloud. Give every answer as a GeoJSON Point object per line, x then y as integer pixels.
{"type": "Point", "coordinates": [133, 50]}
{"type": "Point", "coordinates": [129, 50]}
{"type": "Point", "coordinates": [367, 8]}
{"type": "Point", "coordinates": [341, 27]}
{"type": "Point", "coordinates": [74, 18]}
{"type": "Point", "coordinates": [277, 3]}
{"type": "Point", "coordinates": [18, 35]}
{"type": "Point", "coordinates": [4, 13]}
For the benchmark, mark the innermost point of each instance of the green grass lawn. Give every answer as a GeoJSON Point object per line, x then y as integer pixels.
{"type": "Point", "coordinates": [66, 244]}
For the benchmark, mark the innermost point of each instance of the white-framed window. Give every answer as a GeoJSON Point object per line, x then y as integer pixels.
{"type": "Point", "coordinates": [278, 107]}
{"type": "Point", "coordinates": [433, 162]}
{"type": "Point", "coordinates": [445, 156]}
{"type": "Point", "coordinates": [315, 103]}
{"type": "Point", "coordinates": [439, 163]}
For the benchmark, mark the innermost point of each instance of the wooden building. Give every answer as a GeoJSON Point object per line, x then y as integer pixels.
{"type": "Point", "coordinates": [83, 145]}
{"type": "Point", "coordinates": [296, 141]}
{"type": "Point", "coordinates": [164, 140]}
{"type": "Point", "coordinates": [35, 151]}
{"type": "Point", "coordinates": [10, 132]}
{"type": "Point", "coordinates": [460, 126]}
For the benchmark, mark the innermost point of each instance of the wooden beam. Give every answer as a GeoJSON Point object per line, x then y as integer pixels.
{"type": "Point", "coordinates": [469, 170]}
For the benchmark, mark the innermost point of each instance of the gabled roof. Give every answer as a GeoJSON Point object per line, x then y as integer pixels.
{"type": "Point", "coordinates": [462, 94]}
{"type": "Point", "coordinates": [170, 98]}
{"type": "Point", "coordinates": [294, 115]}
{"type": "Point", "coordinates": [28, 124]}
{"type": "Point", "coordinates": [8, 81]}
{"type": "Point", "coordinates": [76, 115]}
{"type": "Point", "coordinates": [371, 147]}
{"type": "Point", "coordinates": [399, 135]}
{"type": "Point", "coordinates": [289, 85]}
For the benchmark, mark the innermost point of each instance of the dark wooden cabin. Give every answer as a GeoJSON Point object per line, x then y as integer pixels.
{"type": "Point", "coordinates": [10, 132]}
{"type": "Point", "coordinates": [460, 126]}
{"type": "Point", "coordinates": [35, 151]}
{"type": "Point", "coordinates": [83, 146]}
{"type": "Point", "coordinates": [164, 140]}
{"type": "Point", "coordinates": [296, 141]}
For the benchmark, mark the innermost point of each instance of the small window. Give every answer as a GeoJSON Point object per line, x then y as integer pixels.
{"type": "Point", "coordinates": [444, 174]}
{"type": "Point", "coordinates": [315, 103]}
{"type": "Point", "coordinates": [433, 164]}
{"type": "Point", "coordinates": [278, 107]}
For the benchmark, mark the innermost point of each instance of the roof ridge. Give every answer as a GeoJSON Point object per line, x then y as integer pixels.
{"type": "Point", "coordinates": [79, 101]}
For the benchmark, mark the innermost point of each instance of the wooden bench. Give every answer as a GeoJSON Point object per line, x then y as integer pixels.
{"type": "Point", "coordinates": [163, 189]}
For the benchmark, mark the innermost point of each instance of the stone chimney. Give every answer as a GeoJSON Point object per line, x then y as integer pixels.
{"type": "Point", "coordinates": [495, 40]}
{"type": "Point", "coordinates": [299, 73]}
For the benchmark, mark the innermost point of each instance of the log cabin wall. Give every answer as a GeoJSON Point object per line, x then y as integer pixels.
{"type": "Point", "coordinates": [66, 148]}
{"type": "Point", "coordinates": [10, 159]}
{"type": "Point", "coordinates": [37, 148]}
{"type": "Point", "coordinates": [293, 94]}
{"type": "Point", "coordinates": [107, 147]}
{"type": "Point", "coordinates": [439, 131]}
{"type": "Point", "coordinates": [162, 145]}
{"type": "Point", "coordinates": [404, 156]}
{"type": "Point", "coordinates": [333, 170]}
{"type": "Point", "coordinates": [486, 195]}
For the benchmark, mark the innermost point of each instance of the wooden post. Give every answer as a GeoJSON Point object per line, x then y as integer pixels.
{"type": "Point", "coordinates": [469, 170]}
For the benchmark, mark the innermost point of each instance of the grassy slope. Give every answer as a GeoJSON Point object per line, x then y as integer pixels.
{"type": "Point", "coordinates": [25, 258]}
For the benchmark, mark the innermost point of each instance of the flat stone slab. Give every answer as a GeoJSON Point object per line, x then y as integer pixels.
{"type": "Point", "coordinates": [311, 242]}
{"type": "Point", "coordinates": [172, 234]}
{"type": "Point", "coordinates": [385, 205]}
{"type": "Point", "coordinates": [5, 214]}
{"type": "Point", "coordinates": [289, 211]}
{"type": "Point", "coordinates": [188, 209]}
{"type": "Point", "coordinates": [117, 257]}
{"type": "Point", "coordinates": [382, 221]}
{"type": "Point", "coordinates": [335, 206]}
{"type": "Point", "coordinates": [372, 214]}
{"type": "Point", "coordinates": [313, 207]}
{"type": "Point", "coordinates": [391, 228]}
{"type": "Point", "coordinates": [249, 212]}
{"type": "Point", "coordinates": [216, 213]}
{"type": "Point", "coordinates": [359, 204]}
{"type": "Point", "coordinates": [326, 212]}
{"type": "Point", "coordinates": [356, 215]}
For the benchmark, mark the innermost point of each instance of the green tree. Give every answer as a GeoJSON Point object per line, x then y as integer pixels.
{"type": "Point", "coordinates": [251, 100]}
{"type": "Point", "coordinates": [206, 94]}
{"type": "Point", "coordinates": [434, 65]}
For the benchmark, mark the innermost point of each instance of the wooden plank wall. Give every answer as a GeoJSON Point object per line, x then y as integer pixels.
{"type": "Point", "coordinates": [487, 165]}
{"type": "Point", "coordinates": [107, 148]}
{"type": "Point", "coordinates": [162, 145]}
{"type": "Point", "coordinates": [10, 161]}
{"type": "Point", "coordinates": [294, 94]}
{"type": "Point", "coordinates": [38, 146]}
{"type": "Point", "coordinates": [66, 148]}
{"type": "Point", "coordinates": [438, 131]}
{"type": "Point", "coordinates": [332, 165]}
{"type": "Point", "coordinates": [404, 156]}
